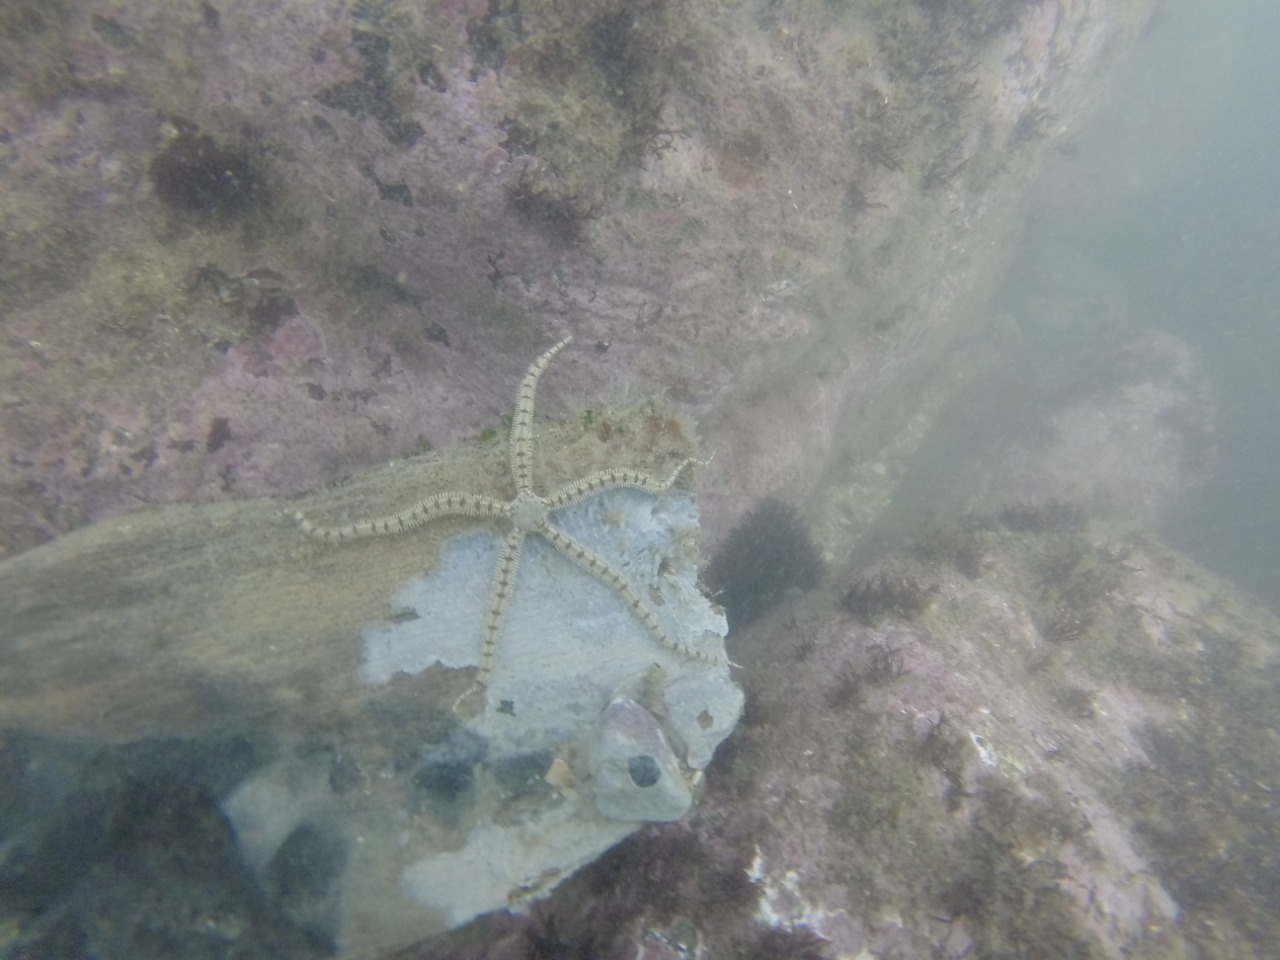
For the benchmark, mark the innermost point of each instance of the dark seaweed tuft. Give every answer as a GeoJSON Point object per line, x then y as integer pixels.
{"type": "Point", "coordinates": [769, 553]}
{"type": "Point", "coordinates": [1051, 516]}
{"type": "Point", "coordinates": [195, 174]}
{"type": "Point", "coordinates": [872, 595]}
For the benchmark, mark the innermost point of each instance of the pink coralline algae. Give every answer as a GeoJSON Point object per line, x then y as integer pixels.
{"type": "Point", "coordinates": [247, 249]}
{"type": "Point", "coordinates": [955, 783]}
{"type": "Point", "coordinates": [447, 190]}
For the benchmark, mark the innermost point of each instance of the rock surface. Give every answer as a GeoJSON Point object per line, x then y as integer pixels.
{"type": "Point", "coordinates": [987, 735]}
{"type": "Point", "coordinates": [1066, 751]}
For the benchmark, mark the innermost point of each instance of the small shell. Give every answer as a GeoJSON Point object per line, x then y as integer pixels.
{"type": "Point", "coordinates": [561, 777]}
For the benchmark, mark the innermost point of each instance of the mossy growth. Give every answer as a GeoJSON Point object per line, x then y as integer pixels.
{"type": "Point", "coordinates": [1002, 877]}
{"type": "Point", "coordinates": [890, 812]}
{"type": "Point", "coordinates": [584, 82]}
{"type": "Point", "coordinates": [874, 594]}
{"type": "Point", "coordinates": [999, 871]}
{"type": "Point", "coordinates": [35, 49]}
{"type": "Point", "coordinates": [1077, 580]}
{"type": "Point", "coordinates": [781, 943]}
{"type": "Point", "coordinates": [1204, 803]}
{"type": "Point", "coordinates": [661, 876]}
{"type": "Point", "coordinates": [767, 555]}
{"type": "Point", "coordinates": [592, 78]}
{"type": "Point", "coordinates": [954, 541]}
{"type": "Point", "coordinates": [1005, 878]}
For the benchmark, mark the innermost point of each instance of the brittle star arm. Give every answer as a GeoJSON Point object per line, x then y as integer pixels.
{"type": "Point", "coordinates": [452, 504]}
{"type": "Point", "coordinates": [614, 479]}
{"type": "Point", "coordinates": [609, 575]}
{"type": "Point", "coordinates": [504, 578]}
{"type": "Point", "coordinates": [521, 450]}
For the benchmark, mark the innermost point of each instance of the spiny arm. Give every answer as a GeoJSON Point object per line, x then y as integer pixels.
{"type": "Point", "coordinates": [424, 511]}
{"type": "Point", "coordinates": [615, 479]}
{"type": "Point", "coordinates": [522, 420]}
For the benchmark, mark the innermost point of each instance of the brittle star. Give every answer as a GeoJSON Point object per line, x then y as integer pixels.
{"type": "Point", "coordinates": [528, 513]}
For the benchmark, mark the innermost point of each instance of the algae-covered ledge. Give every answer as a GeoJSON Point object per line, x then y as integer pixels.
{"type": "Point", "coordinates": [228, 620]}
{"type": "Point", "coordinates": [255, 248]}
{"type": "Point", "coordinates": [769, 219]}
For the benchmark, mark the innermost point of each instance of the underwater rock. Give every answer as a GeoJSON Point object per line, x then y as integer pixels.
{"type": "Point", "coordinates": [573, 667]}
{"type": "Point", "coordinates": [198, 619]}
{"type": "Point", "coordinates": [345, 661]}
{"type": "Point", "coordinates": [969, 787]}
{"type": "Point", "coordinates": [637, 775]}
